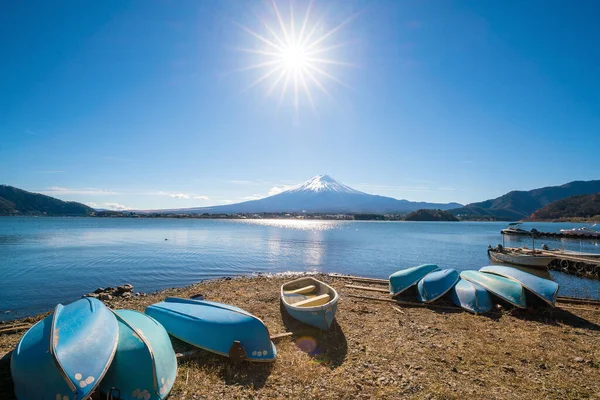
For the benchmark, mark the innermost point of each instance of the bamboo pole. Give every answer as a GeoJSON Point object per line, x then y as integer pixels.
{"type": "Point", "coordinates": [372, 289]}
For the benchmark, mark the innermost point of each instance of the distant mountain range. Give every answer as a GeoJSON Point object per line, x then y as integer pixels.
{"type": "Point", "coordinates": [518, 204]}
{"type": "Point", "coordinates": [14, 201]}
{"type": "Point", "coordinates": [320, 194]}
{"type": "Point", "coordinates": [585, 207]}
{"type": "Point", "coordinates": [324, 195]}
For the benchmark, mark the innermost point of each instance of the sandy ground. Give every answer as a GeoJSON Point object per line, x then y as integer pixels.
{"type": "Point", "coordinates": [376, 351]}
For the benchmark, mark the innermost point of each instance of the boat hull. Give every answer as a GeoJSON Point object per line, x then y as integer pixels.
{"type": "Point", "coordinates": [545, 289]}
{"type": "Point", "coordinates": [436, 284]}
{"type": "Point", "coordinates": [527, 260]}
{"type": "Point", "coordinates": [66, 354]}
{"type": "Point", "coordinates": [506, 289]}
{"type": "Point", "coordinates": [145, 364]}
{"type": "Point", "coordinates": [405, 278]}
{"type": "Point", "coordinates": [471, 297]}
{"type": "Point", "coordinates": [214, 327]}
{"type": "Point", "coordinates": [319, 316]}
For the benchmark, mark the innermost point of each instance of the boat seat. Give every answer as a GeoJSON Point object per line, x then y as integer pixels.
{"type": "Point", "coordinates": [303, 290]}
{"type": "Point", "coordinates": [315, 301]}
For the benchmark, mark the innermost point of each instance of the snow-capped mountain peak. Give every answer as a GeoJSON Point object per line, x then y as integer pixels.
{"type": "Point", "coordinates": [323, 183]}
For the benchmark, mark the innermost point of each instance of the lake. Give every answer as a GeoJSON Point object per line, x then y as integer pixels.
{"type": "Point", "coordinates": [44, 261]}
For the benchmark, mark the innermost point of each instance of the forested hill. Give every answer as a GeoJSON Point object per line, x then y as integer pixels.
{"type": "Point", "coordinates": [576, 207]}
{"type": "Point", "coordinates": [430, 215]}
{"type": "Point", "coordinates": [14, 201]}
{"type": "Point", "coordinates": [518, 204]}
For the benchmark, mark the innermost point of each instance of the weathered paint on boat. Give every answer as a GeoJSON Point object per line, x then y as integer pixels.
{"type": "Point", "coordinates": [214, 327]}
{"type": "Point", "coordinates": [67, 354]}
{"type": "Point", "coordinates": [436, 284]}
{"type": "Point", "coordinates": [405, 278]}
{"type": "Point", "coordinates": [320, 316]}
{"type": "Point", "coordinates": [471, 297]}
{"type": "Point", "coordinates": [545, 289]}
{"type": "Point", "coordinates": [507, 289]}
{"type": "Point", "coordinates": [145, 365]}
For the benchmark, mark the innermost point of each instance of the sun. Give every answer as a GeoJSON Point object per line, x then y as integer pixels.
{"type": "Point", "coordinates": [294, 58]}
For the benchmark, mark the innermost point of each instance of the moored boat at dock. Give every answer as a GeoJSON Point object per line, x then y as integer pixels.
{"type": "Point", "coordinates": [518, 256]}
{"type": "Point", "coordinates": [515, 228]}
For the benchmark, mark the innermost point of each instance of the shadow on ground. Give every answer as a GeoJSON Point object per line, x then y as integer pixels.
{"type": "Point", "coordinates": [327, 347]}
{"type": "Point", "coordinates": [246, 374]}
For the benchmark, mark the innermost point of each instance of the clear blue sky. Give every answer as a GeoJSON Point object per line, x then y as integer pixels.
{"type": "Point", "coordinates": [147, 104]}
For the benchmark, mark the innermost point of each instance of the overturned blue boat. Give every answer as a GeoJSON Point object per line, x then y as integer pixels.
{"type": "Point", "coordinates": [310, 301]}
{"type": "Point", "coordinates": [405, 278]}
{"type": "Point", "coordinates": [220, 328]}
{"type": "Point", "coordinates": [471, 297]}
{"type": "Point", "coordinates": [67, 354]}
{"type": "Point", "coordinates": [145, 365]}
{"type": "Point", "coordinates": [545, 289]}
{"type": "Point", "coordinates": [506, 289]}
{"type": "Point", "coordinates": [436, 284]}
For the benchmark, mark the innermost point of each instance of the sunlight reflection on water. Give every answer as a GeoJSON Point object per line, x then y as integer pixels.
{"type": "Point", "coordinates": [300, 224]}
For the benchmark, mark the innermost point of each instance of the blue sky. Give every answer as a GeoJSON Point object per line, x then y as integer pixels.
{"type": "Point", "coordinates": [147, 104]}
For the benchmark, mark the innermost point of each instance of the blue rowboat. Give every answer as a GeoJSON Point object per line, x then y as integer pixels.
{"type": "Point", "coordinates": [405, 278]}
{"type": "Point", "coordinates": [436, 284]}
{"type": "Point", "coordinates": [216, 327]}
{"type": "Point", "coordinates": [65, 355]}
{"type": "Point", "coordinates": [545, 289]}
{"type": "Point", "coordinates": [310, 301]}
{"type": "Point", "coordinates": [507, 289]}
{"type": "Point", "coordinates": [145, 365]}
{"type": "Point", "coordinates": [471, 297]}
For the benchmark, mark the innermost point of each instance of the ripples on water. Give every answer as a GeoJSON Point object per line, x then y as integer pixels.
{"type": "Point", "coordinates": [44, 261]}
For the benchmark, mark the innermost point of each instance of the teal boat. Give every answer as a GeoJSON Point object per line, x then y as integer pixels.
{"type": "Point", "coordinates": [436, 284]}
{"type": "Point", "coordinates": [471, 297]}
{"type": "Point", "coordinates": [405, 278]}
{"type": "Point", "coordinates": [310, 301]}
{"type": "Point", "coordinates": [145, 366]}
{"type": "Point", "coordinates": [545, 289]}
{"type": "Point", "coordinates": [67, 354]}
{"type": "Point", "coordinates": [506, 289]}
{"type": "Point", "coordinates": [220, 328]}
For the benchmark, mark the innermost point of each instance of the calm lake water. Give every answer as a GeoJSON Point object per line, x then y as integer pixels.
{"type": "Point", "coordinates": [44, 261]}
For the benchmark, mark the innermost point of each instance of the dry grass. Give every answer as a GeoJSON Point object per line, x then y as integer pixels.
{"type": "Point", "coordinates": [376, 351]}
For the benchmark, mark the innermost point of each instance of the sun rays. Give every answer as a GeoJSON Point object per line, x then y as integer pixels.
{"type": "Point", "coordinates": [293, 60]}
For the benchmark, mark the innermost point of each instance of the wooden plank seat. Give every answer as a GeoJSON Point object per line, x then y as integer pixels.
{"type": "Point", "coordinates": [303, 290]}
{"type": "Point", "coordinates": [315, 301]}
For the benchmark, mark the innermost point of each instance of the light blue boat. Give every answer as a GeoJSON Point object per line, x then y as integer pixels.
{"type": "Point", "coordinates": [145, 366]}
{"type": "Point", "coordinates": [507, 289]}
{"type": "Point", "coordinates": [65, 355]}
{"type": "Point", "coordinates": [545, 289]}
{"type": "Point", "coordinates": [310, 301]}
{"type": "Point", "coordinates": [436, 284]}
{"type": "Point", "coordinates": [405, 278]}
{"type": "Point", "coordinates": [471, 297]}
{"type": "Point", "coordinates": [216, 327]}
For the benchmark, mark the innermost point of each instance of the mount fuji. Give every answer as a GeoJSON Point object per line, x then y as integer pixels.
{"type": "Point", "coordinates": [321, 194]}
